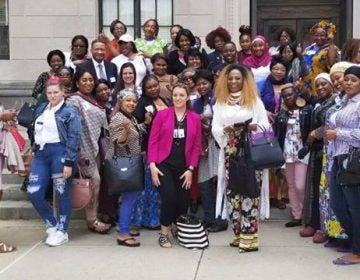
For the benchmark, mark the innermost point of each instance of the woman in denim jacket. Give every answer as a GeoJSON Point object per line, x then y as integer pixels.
{"type": "Point", "coordinates": [56, 139]}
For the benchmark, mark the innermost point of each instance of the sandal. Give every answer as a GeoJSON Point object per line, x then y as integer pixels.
{"type": "Point", "coordinates": [235, 242]}
{"type": "Point", "coordinates": [248, 250]}
{"type": "Point", "coordinates": [5, 248]}
{"type": "Point", "coordinates": [98, 227]}
{"type": "Point", "coordinates": [164, 241]}
{"type": "Point", "coordinates": [126, 242]}
{"type": "Point", "coordinates": [344, 260]}
{"type": "Point", "coordinates": [134, 233]}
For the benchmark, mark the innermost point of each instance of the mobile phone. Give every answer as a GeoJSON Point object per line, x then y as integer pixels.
{"type": "Point", "coordinates": [242, 124]}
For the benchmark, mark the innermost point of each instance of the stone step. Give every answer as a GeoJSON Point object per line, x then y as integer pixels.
{"type": "Point", "coordinates": [13, 192]}
{"type": "Point", "coordinates": [8, 178]}
{"type": "Point", "coordinates": [23, 210]}
{"type": "Point", "coordinates": [15, 210]}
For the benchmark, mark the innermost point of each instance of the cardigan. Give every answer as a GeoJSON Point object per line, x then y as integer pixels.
{"type": "Point", "coordinates": [162, 134]}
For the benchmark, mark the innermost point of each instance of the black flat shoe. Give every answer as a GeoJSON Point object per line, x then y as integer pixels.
{"type": "Point", "coordinates": [293, 223]}
{"type": "Point", "coordinates": [126, 242]}
{"type": "Point", "coordinates": [218, 226]}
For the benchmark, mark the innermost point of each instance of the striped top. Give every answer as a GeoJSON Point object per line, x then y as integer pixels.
{"type": "Point", "coordinates": [347, 125]}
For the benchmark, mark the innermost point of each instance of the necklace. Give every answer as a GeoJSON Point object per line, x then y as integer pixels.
{"type": "Point", "coordinates": [234, 98]}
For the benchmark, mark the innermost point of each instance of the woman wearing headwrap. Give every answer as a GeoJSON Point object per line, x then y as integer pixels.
{"type": "Point", "coordinates": [314, 144]}
{"type": "Point", "coordinates": [126, 135]}
{"type": "Point", "coordinates": [344, 132]}
{"type": "Point", "coordinates": [260, 59]}
{"type": "Point", "coordinates": [322, 54]}
{"type": "Point", "coordinates": [329, 223]}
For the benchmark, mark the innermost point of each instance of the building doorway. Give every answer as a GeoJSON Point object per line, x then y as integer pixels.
{"type": "Point", "coordinates": [268, 15]}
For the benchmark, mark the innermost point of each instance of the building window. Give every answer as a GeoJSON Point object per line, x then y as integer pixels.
{"type": "Point", "coordinates": [134, 13]}
{"type": "Point", "coordinates": [4, 29]}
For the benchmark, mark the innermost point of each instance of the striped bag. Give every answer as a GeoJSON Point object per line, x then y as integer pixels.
{"type": "Point", "coordinates": [190, 233]}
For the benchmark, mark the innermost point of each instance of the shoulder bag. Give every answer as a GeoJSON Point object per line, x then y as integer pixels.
{"type": "Point", "coordinates": [25, 115]}
{"type": "Point", "coordinates": [124, 173]}
{"type": "Point", "coordinates": [262, 150]}
{"type": "Point", "coordinates": [349, 168]}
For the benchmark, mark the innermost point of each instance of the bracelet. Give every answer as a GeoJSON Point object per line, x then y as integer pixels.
{"type": "Point", "coordinates": [189, 169]}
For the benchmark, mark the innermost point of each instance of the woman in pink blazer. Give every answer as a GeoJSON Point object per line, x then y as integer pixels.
{"type": "Point", "coordinates": [173, 153]}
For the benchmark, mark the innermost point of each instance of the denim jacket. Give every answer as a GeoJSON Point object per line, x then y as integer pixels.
{"type": "Point", "coordinates": [68, 124]}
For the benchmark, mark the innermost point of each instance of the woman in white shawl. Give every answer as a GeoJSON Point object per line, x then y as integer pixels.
{"type": "Point", "coordinates": [237, 102]}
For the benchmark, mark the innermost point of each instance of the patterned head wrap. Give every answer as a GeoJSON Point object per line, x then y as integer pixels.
{"type": "Point", "coordinates": [328, 27]}
{"type": "Point", "coordinates": [127, 92]}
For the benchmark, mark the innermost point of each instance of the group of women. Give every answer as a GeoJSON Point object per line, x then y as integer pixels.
{"type": "Point", "coordinates": [187, 112]}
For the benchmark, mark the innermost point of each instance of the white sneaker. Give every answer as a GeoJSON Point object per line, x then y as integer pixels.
{"type": "Point", "coordinates": [50, 233]}
{"type": "Point", "coordinates": [57, 239]}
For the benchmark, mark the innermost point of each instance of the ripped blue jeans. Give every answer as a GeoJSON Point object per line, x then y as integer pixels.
{"type": "Point", "coordinates": [48, 164]}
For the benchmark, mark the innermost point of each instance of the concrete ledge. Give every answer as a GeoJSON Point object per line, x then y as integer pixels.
{"type": "Point", "coordinates": [23, 210]}
{"type": "Point", "coordinates": [13, 193]}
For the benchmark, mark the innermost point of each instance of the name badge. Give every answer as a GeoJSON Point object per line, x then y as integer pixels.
{"type": "Point", "coordinates": [179, 133]}
{"type": "Point", "coordinates": [292, 121]}
{"type": "Point", "coordinates": [112, 80]}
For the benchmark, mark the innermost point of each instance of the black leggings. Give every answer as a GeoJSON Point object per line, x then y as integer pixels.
{"type": "Point", "coordinates": [174, 199]}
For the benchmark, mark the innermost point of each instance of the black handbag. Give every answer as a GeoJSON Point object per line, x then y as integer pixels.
{"type": "Point", "coordinates": [25, 115]}
{"type": "Point", "coordinates": [349, 168]}
{"type": "Point", "coordinates": [124, 174]}
{"type": "Point", "coordinates": [242, 178]}
{"type": "Point", "coordinates": [262, 150]}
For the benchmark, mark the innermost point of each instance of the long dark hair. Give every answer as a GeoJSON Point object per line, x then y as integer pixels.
{"type": "Point", "coordinates": [76, 78]}
{"type": "Point", "coordinates": [120, 82]}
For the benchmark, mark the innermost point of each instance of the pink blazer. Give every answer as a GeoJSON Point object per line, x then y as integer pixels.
{"type": "Point", "coordinates": [162, 134]}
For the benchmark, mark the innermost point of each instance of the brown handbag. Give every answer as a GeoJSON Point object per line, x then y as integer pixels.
{"type": "Point", "coordinates": [81, 193]}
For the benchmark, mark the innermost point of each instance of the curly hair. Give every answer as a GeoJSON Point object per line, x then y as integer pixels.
{"type": "Point", "coordinates": [245, 30]}
{"type": "Point", "coordinates": [55, 52]}
{"type": "Point", "coordinates": [115, 22]}
{"type": "Point", "coordinates": [249, 90]}
{"type": "Point", "coordinates": [218, 32]}
{"type": "Point", "coordinates": [350, 49]}
{"type": "Point", "coordinates": [288, 30]}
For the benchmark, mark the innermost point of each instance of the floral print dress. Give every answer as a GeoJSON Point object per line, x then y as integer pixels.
{"type": "Point", "coordinates": [243, 210]}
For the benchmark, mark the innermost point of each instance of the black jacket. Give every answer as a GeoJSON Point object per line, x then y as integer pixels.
{"type": "Point", "coordinates": [175, 66]}
{"type": "Point", "coordinates": [110, 69]}
{"type": "Point", "coordinates": [282, 120]}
